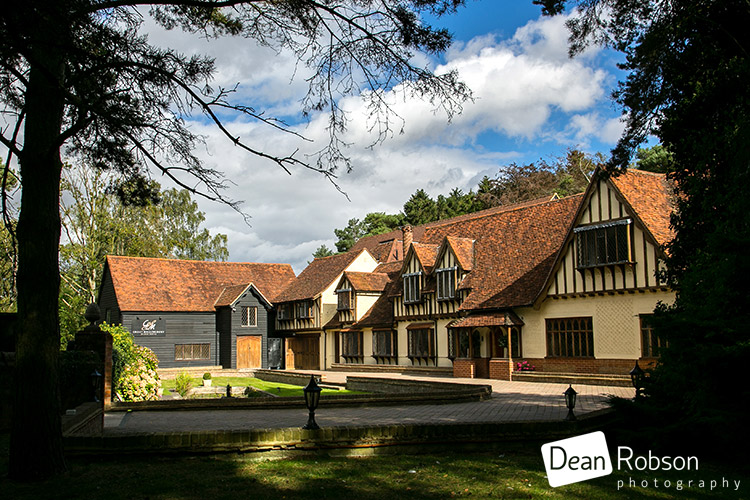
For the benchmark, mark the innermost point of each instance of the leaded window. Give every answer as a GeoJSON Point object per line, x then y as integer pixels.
{"type": "Point", "coordinates": [651, 342]}
{"type": "Point", "coordinates": [189, 352]}
{"type": "Point", "coordinates": [570, 337]}
{"type": "Point", "coordinates": [249, 316]}
{"type": "Point", "coordinates": [384, 344]}
{"type": "Point", "coordinates": [421, 343]}
{"type": "Point", "coordinates": [344, 299]}
{"type": "Point", "coordinates": [412, 288]}
{"type": "Point", "coordinates": [304, 309]}
{"type": "Point", "coordinates": [446, 283]}
{"type": "Point", "coordinates": [351, 346]}
{"type": "Point", "coordinates": [603, 244]}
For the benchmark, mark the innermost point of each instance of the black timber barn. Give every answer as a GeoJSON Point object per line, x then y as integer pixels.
{"type": "Point", "coordinates": [196, 313]}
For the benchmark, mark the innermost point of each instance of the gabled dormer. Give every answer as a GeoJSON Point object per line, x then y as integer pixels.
{"type": "Point", "coordinates": [616, 242]}
{"type": "Point", "coordinates": [357, 293]}
{"type": "Point", "coordinates": [412, 296]}
{"type": "Point", "coordinates": [455, 259]}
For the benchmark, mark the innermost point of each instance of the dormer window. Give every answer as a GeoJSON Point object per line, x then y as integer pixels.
{"type": "Point", "coordinates": [446, 283]}
{"type": "Point", "coordinates": [344, 299]}
{"type": "Point", "coordinates": [603, 244]}
{"type": "Point", "coordinates": [304, 309]}
{"type": "Point", "coordinates": [412, 287]}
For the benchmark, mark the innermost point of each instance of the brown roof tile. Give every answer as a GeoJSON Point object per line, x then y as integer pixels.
{"type": "Point", "coordinates": [146, 284]}
{"type": "Point", "coordinates": [650, 196]}
{"type": "Point", "coordinates": [505, 318]}
{"type": "Point", "coordinates": [514, 247]}
{"type": "Point", "coordinates": [426, 254]}
{"type": "Point", "coordinates": [367, 282]}
{"type": "Point", "coordinates": [317, 276]}
{"type": "Point", "coordinates": [463, 249]}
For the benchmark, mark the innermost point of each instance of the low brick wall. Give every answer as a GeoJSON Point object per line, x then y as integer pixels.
{"type": "Point", "coordinates": [395, 386]}
{"type": "Point", "coordinates": [587, 365]}
{"type": "Point", "coordinates": [284, 377]}
{"type": "Point", "coordinates": [335, 440]}
{"type": "Point", "coordinates": [501, 369]}
{"type": "Point", "coordinates": [85, 419]}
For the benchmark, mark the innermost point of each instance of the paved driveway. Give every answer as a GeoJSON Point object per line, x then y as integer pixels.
{"type": "Point", "coordinates": [511, 402]}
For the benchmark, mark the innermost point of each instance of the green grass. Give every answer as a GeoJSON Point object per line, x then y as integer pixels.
{"type": "Point", "coordinates": [283, 390]}
{"type": "Point", "coordinates": [518, 472]}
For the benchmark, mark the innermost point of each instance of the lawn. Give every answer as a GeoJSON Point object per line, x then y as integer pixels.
{"type": "Point", "coordinates": [517, 472]}
{"type": "Point", "coordinates": [283, 390]}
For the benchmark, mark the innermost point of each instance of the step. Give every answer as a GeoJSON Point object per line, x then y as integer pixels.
{"type": "Point", "coordinates": [609, 379]}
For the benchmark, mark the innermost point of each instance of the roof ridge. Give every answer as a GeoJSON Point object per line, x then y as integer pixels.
{"type": "Point", "coordinates": [167, 259]}
{"type": "Point", "coordinates": [500, 209]}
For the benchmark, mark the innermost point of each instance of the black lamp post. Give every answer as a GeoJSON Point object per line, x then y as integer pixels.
{"type": "Point", "coordinates": [96, 383]}
{"type": "Point", "coordinates": [312, 398]}
{"type": "Point", "coordinates": [636, 376]}
{"type": "Point", "coordinates": [570, 401]}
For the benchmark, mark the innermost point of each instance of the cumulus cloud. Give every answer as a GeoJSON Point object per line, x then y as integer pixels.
{"type": "Point", "coordinates": [527, 91]}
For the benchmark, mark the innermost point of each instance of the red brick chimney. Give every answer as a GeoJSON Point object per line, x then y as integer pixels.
{"type": "Point", "coordinates": [407, 237]}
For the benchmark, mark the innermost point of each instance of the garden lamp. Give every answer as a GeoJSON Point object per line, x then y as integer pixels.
{"type": "Point", "coordinates": [312, 398]}
{"type": "Point", "coordinates": [570, 401]}
{"type": "Point", "coordinates": [637, 375]}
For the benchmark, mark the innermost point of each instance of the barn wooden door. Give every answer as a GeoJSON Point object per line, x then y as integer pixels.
{"type": "Point", "coordinates": [303, 353]}
{"type": "Point", "coordinates": [248, 351]}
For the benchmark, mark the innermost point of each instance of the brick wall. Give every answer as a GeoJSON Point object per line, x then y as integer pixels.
{"type": "Point", "coordinates": [464, 368]}
{"type": "Point", "coordinates": [587, 365]}
{"type": "Point", "coordinates": [501, 369]}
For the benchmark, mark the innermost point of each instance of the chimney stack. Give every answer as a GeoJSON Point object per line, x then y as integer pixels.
{"type": "Point", "coordinates": [407, 237]}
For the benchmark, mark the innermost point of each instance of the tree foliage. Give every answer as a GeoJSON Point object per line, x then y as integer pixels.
{"type": "Point", "coordinates": [688, 68]}
{"type": "Point", "coordinates": [79, 76]}
{"type": "Point", "coordinates": [513, 184]}
{"type": "Point", "coordinates": [96, 223]}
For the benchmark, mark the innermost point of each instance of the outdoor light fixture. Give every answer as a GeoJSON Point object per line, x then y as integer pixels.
{"type": "Point", "coordinates": [96, 383]}
{"type": "Point", "coordinates": [637, 375]}
{"type": "Point", "coordinates": [312, 398]}
{"type": "Point", "coordinates": [570, 401]}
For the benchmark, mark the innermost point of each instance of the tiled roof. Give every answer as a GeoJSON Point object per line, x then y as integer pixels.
{"type": "Point", "coordinates": [650, 196]}
{"type": "Point", "coordinates": [317, 276]}
{"type": "Point", "coordinates": [230, 294]}
{"type": "Point", "coordinates": [463, 249]}
{"type": "Point", "coordinates": [145, 284]}
{"type": "Point", "coordinates": [394, 237]}
{"type": "Point", "coordinates": [514, 247]}
{"type": "Point", "coordinates": [367, 282]}
{"type": "Point", "coordinates": [505, 318]}
{"type": "Point", "coordinates": [426, 254]}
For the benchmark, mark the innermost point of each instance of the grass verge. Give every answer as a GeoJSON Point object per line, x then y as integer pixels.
{"type": "Point", "coordinates": [279, 389]}
{"type": "Point", "coordinates": [517, 472]}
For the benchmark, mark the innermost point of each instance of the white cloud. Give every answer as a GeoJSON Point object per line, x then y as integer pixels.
{"type": "Point", "coordinates": [520, 85]}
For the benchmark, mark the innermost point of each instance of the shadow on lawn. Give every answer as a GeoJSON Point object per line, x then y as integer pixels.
{"type": "Point", "coordinates": [516, 471]}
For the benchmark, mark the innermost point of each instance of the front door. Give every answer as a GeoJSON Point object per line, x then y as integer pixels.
{"type": "Point", "coordinates": [248, 351]}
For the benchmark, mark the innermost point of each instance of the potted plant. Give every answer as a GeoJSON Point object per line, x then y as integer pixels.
{"type": "Point", "coordinates": [207, 379]}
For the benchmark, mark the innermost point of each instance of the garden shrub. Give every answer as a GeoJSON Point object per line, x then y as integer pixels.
{"type": "Point", "coordinates": [134, 375]}
{"type": "Point", "coordinates": [183, 382]}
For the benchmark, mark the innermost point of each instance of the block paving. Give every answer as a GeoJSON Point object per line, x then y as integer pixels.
{"type": "Point", "coordinates": [510, 402]}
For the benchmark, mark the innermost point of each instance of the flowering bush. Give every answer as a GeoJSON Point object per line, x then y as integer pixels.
{"type": "Point", "coordinates": [134, 375]}
{"type": "Point", "coordinates": [525, 366]}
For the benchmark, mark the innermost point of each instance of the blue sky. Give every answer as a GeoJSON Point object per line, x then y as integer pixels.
{"type": "Point", "coordinates": [532, 102]}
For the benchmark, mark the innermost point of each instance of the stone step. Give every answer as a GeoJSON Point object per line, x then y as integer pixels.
{"type": "Point", "coordinates": [400, 369]}
{"type": "Point", "coordinates": [610, 379]}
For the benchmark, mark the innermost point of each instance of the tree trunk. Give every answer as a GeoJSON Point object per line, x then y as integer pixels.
{"type": "Point", "coordinates": [36, 450]}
